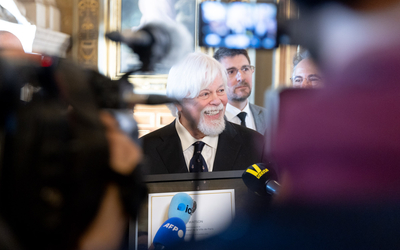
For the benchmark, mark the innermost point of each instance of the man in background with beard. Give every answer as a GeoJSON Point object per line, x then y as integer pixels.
{"type": "Point", "coordinates": [240, 82]}
{"type": "Point", "coordinates": [200, 140]}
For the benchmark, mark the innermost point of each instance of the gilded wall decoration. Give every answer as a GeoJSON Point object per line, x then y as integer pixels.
{"type": "Point", "coordinates": [88, 34]}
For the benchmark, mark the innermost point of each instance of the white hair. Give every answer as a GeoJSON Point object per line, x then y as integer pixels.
{"type": "Point", "coordinates": [193, 74]}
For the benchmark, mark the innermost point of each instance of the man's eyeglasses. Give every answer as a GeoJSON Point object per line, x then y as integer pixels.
{"type": "Point", "coordinates": [246, 69]}
{"type": "Point", "coordinates": [315, 80]}
{"type": "Point", "coordinates": [206, 94]}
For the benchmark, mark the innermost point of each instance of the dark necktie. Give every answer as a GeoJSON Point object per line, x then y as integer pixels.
{"type": "Point", "coordinates": [242, 117]}
{"type": "Point", "coordinates": [197, 163]}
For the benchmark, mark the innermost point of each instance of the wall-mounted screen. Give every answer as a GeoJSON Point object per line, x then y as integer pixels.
{"type": "Point", "coordinates": [238, 25]}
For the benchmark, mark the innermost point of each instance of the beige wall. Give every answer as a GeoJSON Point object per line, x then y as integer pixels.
{"type": "Point", "coordinates": [66, 10]}
{"type": "Point", "coordinates": [263, 75]}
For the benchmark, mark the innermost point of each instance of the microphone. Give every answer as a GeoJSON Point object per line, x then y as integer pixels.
{"type": "Point", "coordinates": [259, 179]}
{"type": "Point", "coordinates": [182, 206]}
{"type": "Point", "coordinates": [131, 38]}
{"type": "Point", "coordinates": [171, 233]}
{"type": "Point", "coordinates": [157, 42]}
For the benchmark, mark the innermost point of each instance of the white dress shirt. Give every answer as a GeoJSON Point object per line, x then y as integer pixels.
{"type": "Point", "coordinates": [209, 151]}
{"type": "Point", "coordinates": [232, 112]}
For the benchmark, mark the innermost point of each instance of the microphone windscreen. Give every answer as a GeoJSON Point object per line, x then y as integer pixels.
{"type": "Point", "coordinates": [256, 176]}
{"type": "Point", "coordinates": [182, 43]}
{"type": "Point", "coordinates": [156, 42]}
{"type": "Point", "coordinates": [171, 232]}
{"type": "Point", "coordinates": [114, 36]}
{"type": "Point", "coordinates": [181, 206]}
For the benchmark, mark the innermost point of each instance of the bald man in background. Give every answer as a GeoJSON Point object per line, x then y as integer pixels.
{"type": "Point", "coordinates": [306, 73]}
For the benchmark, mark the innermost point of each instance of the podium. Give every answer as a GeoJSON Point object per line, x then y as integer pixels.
{"type": "Point", "coordinates": [221, 193]}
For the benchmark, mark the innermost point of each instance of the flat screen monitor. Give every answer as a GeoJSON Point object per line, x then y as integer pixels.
{"type": "Point", "coordinates": [238, 25]}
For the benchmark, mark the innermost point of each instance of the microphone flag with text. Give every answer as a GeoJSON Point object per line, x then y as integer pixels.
{"type": "Point", "coordinates": [182, 206]}
{"type": "Point", "coordinates": [261, 180]}
{"type": "Point", "coordinates": [171, 233]}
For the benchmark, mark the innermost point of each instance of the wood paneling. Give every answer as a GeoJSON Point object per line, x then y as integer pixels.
{"type": "Point", "coordinates": [150, 118]}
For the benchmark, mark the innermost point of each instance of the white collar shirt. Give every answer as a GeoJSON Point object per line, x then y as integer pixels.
{"type": "Point", "coordinates": [209, 151]}
{"type": "Point", "coordinates": [232, 112]}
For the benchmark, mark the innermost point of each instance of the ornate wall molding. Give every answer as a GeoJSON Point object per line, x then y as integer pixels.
{"type": "Point", "coordinates": [88, 32]}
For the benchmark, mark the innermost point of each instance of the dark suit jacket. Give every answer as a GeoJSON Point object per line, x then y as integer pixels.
{"type": "Point", "coordinates": [260, 118]}
{"type": "Point", "coordinates": [238, 148]}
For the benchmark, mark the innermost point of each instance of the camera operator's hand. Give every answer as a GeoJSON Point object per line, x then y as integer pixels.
{"type": "Point", "coordinates": [107, 229]}
{"type": "Point", "coordinates": [124, 153]}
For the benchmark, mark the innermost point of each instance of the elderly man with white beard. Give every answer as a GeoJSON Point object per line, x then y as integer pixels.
{"type": "Point", "coordinates": [200, 139]}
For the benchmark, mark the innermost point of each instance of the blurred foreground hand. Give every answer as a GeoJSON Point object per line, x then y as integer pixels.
{"type": "Point", "coordinates": [109, 225]}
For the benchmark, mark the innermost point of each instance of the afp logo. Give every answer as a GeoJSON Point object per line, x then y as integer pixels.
{"type": "Point", "coordinates": [174, 228]}
{"type": "Point", "coordinates": [185, 208]}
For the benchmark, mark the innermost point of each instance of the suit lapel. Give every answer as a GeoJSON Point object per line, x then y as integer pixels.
{"type": "Point", "coordinates": [227, 150]}
{"type": "Point", "coordinates": [259, 118]}
{"type": "Point", "coordinates": [256, 114]}
{"type": "Point", "coordinates": [170, 151]}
